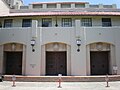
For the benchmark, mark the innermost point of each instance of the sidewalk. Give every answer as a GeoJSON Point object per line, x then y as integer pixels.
{"type": "Point", "coordinates": [6, 85]}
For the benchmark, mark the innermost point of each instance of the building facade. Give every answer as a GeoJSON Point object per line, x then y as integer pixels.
{"type": "Point", "coordinates": [69, 38]}
{"type": "Point", "coordinates": [14, 4]}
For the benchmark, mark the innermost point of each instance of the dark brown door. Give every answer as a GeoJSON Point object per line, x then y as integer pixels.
{"type": "Point", "coordinates": [99, 63]}
{"type": "Point", "coordinates": [56, 63]}
{"type": "Point", "coordinates": [13, 63]}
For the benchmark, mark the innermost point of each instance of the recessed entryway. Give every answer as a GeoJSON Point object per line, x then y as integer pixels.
{"type": "Point", "coordinates": [99, 62]}
{"type": "Point", "coordinates": [56, 63]}
{"type": "Point", "coordinates": [13, 63]}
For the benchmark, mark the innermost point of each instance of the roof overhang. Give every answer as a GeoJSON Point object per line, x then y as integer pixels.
{"type": "Point", "coordinates": [61, 14]}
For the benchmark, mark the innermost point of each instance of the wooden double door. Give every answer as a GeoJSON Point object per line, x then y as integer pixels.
{"type": "Point", "coordinates": [13, 63]}
{"type": "Point", "coordinates": [99, 63]}
{"type": "Point", "coordinates": [56, 63]}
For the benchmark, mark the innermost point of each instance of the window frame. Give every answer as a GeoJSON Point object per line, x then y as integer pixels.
{"type": "Point", "coordinates": [51, 6]}
{"type": "Point", "coordinates": [86, 22]}
{"type": "Point", "coordinates": [8, 23]}
{"type": "Point", "coordinates": [66, 22]}
{"type": "Point", "coordinates": [46, 22]}
{"type": "Point", "coordinates": [65, 5]}
{"type": "Point", "coordinates": [27, 23]}
{"type": "Point", "coordinates": [106, 22]}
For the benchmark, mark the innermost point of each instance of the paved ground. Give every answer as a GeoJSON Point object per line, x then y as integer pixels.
{"type": "Point", "coordinates": [6, 85]}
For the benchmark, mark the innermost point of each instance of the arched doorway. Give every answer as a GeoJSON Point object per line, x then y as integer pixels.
{"type": "Point", "coordinates": [56, 59]}
{"type": "Point", "coordinates": [100, 58]}
{"type": "Point", "coordinates": [13, 63]}
{"type": "Point", "coordinates": [99, 62]}
{"type": "Point", "coordinates": [13, 59]}
{"type": "Point", "coordinates": [56, 63]}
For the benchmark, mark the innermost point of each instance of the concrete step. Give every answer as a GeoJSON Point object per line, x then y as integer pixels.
{"type": "Point", "coordinates": [64, 78]}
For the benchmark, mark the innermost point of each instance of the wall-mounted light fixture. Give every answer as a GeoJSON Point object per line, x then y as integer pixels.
{"type": "Point", "coordinates": [56, 24]}
{"type": "Point", "coordinates": [78, 42]}
{"type": "Point", "coordinates": [33, 44]}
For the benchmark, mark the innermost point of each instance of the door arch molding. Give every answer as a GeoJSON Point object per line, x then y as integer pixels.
{"type": "Point", "coordinates": [104, 47]}
{"type": "Point", "coordinates": [13, 47]}
{"type": "Point", "coordinates": [56, 47]}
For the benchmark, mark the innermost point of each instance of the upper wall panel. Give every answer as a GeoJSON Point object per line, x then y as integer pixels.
{"type": "Point", "coordinates": [4, 9]}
